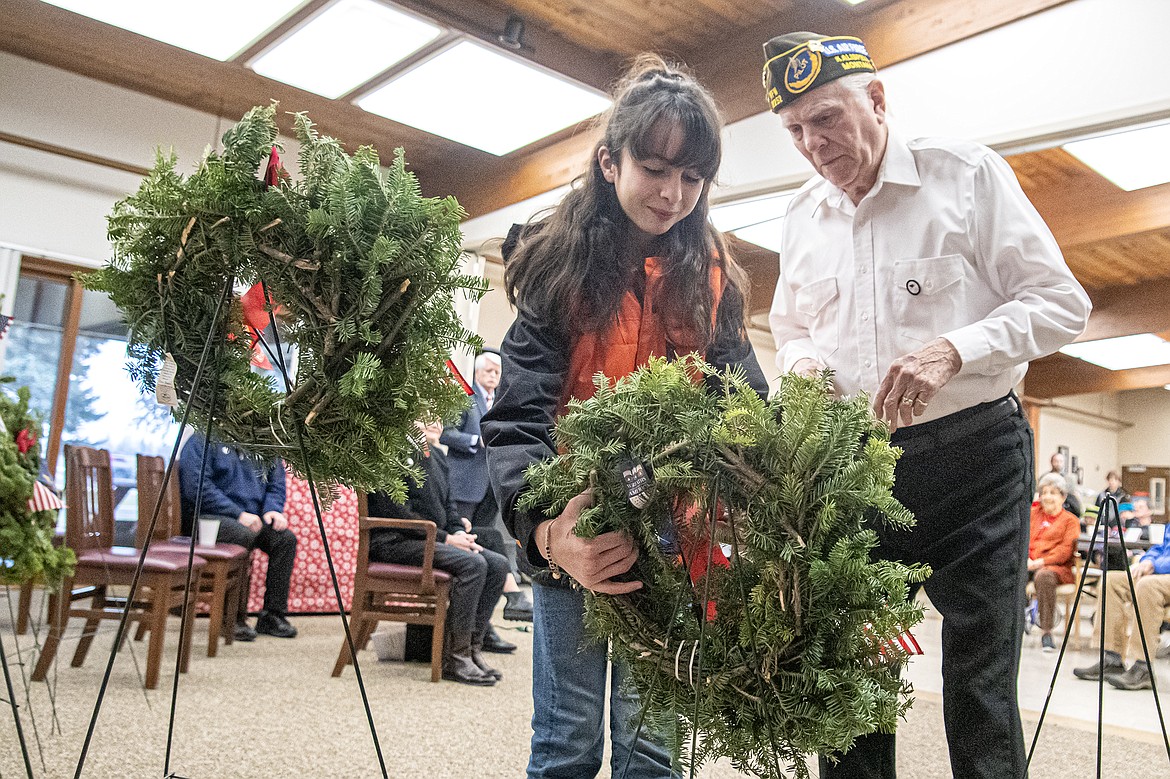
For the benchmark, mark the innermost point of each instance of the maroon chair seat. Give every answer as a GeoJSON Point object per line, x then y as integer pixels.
{"type": "Point", "coordinates": [220, 551]}
{"type": "Point", "coordinates": [156, 561]}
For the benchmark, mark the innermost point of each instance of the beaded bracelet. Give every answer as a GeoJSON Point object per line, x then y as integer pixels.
{"type": "Point", "coordinates": [553, 568]}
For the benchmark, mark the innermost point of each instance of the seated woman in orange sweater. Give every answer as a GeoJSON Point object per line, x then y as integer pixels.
{"type": "Point", "coordinates": [1051, 547]}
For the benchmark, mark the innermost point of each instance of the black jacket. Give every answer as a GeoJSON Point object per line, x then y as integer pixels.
{"type": "Point", "coordinates": [429, 500]}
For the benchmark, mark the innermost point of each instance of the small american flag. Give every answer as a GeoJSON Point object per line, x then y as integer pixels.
{"type": "Point", "coordinates": [5, 321]}
{"type": "Point", "coordinates": [44, 498]}
{"type": "Point", "coordinates": [892, 650]}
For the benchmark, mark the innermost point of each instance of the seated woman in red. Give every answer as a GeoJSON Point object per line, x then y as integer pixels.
{"type": "Point", "coordinates": [1051, 546]}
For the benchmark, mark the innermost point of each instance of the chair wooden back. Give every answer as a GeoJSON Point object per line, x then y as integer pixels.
{"type": "Point", "coordinates": [89, 497]}
{"type": "Point", "coordinates": [151, 472]}
{"type": "Point", "coordinates": [366, 523]}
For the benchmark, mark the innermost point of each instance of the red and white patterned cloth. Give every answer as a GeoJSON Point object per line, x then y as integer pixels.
{"type": "Point", "coordinates": [311, 589]}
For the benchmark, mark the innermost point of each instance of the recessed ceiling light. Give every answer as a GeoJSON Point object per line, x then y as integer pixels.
{"type": "Point", "coordinates": [344, 46]}
{"type": "Point", "coordinates": [484, 98]}
{"type": "Point", "coordinates": [1134, 159]}
{"type": "Point", "coordinates": [1121, 354]}
{"type": "Point", "coordinates": [757, 220]}
{"type": "Point", "coordinates": [219, 29]}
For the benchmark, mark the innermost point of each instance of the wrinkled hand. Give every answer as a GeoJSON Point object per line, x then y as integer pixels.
{"type": "Point", "coordinates": [251, 521]}
{"type": "Point", "coordinates": [276, 519]}
{"type": "Point", "coordinates": [466, 523]}
{"type": "Point", "coordinates": [592, 562]}
{"type": "Point", "coordinates": [1144, 568]}
{"type": "Point", "coordinates": [1035, 564]}
{"type": "Point", "coordinates": [916, 377]}
{"type": "Point", "coordinates": [464, 541]}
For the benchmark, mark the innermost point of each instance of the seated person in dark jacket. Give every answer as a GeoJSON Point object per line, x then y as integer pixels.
{"type": "Point", "coordinates": [250, 508]}
{"type": "Point", "coordinates": [477, 573]}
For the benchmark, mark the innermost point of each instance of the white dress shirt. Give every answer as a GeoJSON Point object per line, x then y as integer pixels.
{"type": "Point", "coordinates": [944, 244]}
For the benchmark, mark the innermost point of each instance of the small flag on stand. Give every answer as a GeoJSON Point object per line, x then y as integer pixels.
{"type": "Point", "coordinates": [893, 650]}
{"type": "Point", "coordinates": [44, 498]}
{"type": "Point", "coordinates": [455, 374]}
{"type": "Point", "coordinates": [5, 321]}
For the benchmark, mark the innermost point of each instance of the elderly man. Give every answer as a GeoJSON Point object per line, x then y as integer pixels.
{"type": "Point", "coordinates": [919, 273]}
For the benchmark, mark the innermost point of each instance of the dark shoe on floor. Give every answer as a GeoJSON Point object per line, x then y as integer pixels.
{"type": "Point", "coordinates": [482, 665]}
{"type": "Point", "coordinates": [518, 608]}
{"type": "Point", "coordinates": [461, 669]}
{"type": "Point", "coordinates": [1046, 643]}
{"type": "Point", "coordinates": [493, 643]}
{"type": "Point", "coordinates": [1136, 678]}
{"type": "Point", "coordinates": [1113, 667]}
{"type": "Point", "coordinates": [243, 632]}
{"type": "Point", "coordinates": [274, 625]}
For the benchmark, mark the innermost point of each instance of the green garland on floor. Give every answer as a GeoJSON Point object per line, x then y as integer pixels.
{"type": "Point", "coordinates": [27, 551]}
{"type": "Point", "coordinates": [791, 662]}
{"type": "Point", "coordinates": [365, 268]}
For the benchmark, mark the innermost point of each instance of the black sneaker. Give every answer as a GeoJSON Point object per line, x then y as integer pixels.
{"type": "Point", "coordinates": [243, 632]}
{"type": "Point", "coordinates": [274, 625]}
{"type": "Point", "coordinates": [1046, 643]}
{"type": "Point", "coordinates": [1113, 667]}
{"type": "Point", "coordinates": [1136, 678]}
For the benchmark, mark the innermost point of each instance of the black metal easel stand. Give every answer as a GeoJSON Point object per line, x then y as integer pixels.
{"type": "Point", "coordinates": [213, 333]}
{"type": "Point", "coordinates": [1109, 510]}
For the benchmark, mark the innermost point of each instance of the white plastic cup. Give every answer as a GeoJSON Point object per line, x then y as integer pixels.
{"type": "Point", "coordinates": [208, 531]}
{"type": "Point", "coordinates": [1157, 534]}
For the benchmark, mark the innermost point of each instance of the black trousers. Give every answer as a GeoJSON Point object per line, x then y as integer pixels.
{"type": "Point", "coordinates": [477, 581]}
{"type": "Point", "coordinates": [281, 548]}
{"type": "Point", "coordinates": [969, 485]}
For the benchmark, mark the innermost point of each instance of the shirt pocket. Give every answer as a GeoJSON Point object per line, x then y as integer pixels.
{"type": "Point", "coordinates": [930, 296]}
{"type": "Point", "coordinates": [819, 303]}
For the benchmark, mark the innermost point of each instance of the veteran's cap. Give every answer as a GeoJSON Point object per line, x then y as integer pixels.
{"type": "Point", "coordinates": [799, 62]}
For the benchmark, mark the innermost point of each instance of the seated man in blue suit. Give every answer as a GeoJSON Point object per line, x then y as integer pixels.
{"type": "Point", "coordinates": [250, 508]}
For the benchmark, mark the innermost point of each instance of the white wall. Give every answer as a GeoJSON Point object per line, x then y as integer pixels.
{"type": "Point", "coordinates": [1148, 441]}
{"type": "Point", "coordinates": [1091, 427]}
{"type": "Point", "coordinates": [56, 207]}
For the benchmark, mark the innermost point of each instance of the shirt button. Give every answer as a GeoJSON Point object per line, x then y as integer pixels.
{"type": "Point", "coordinates": [868, 363]}
{"type": "Point", "coordinates": [865, 317]}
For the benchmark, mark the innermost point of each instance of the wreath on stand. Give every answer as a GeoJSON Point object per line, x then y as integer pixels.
{"type": "Point", "coordinates": [361, 270]}
{"type": "Point", "coordinates": [28, 508]}
{"type": "Point", "coordinates": [762, 511]}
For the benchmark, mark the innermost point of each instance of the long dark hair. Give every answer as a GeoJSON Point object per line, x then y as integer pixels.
{"type": "Point", "coordinates": [569, 266]}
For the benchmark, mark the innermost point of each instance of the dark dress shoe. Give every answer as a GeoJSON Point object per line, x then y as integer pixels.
{"type": "Point", "coordinates": [462, 669]}
{"type": "Point", "coordinates": [518, 608]}
{"type": "Point", "coordinates": [493, 643]}
{"type": "Point", "coordinates": [274, 625]}
{"type": "Point", "coordinates": [484, 667]}
{"type": "Point", "coordinates": [243, 632]}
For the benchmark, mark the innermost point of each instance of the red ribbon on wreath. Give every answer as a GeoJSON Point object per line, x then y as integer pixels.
{"type": "Point", "coordinates": [698, 547]}
{"type": "Point", "coordinates": [25, 440]}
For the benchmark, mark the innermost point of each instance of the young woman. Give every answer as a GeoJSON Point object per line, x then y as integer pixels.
{"type": "Point", "coordinates": [627, 267]}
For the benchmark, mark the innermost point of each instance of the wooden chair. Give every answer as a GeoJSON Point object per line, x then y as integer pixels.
{"type": "Point", "coordinates": [398, 593]}
{"type": "Point", "coordinates": [89, 532]}
{"type": "Point", "coordinates": [222, 584]}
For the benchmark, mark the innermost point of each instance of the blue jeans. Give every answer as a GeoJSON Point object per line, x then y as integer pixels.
{"type": "Point", "coordinates": [568, 692]}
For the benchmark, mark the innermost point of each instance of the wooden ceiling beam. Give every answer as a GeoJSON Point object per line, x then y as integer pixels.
{"type": "Point", "coordinates": [1058, 375]}
{"type": "Point", "coordinates": [1138, 308]}
{"type": "Point", "coordinates": [893, 32]}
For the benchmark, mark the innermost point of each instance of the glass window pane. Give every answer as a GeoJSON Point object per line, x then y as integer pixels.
{"type": "Point", "coordinates": [108, 411]}
{"type": "Point", "coordinates": [34, 340]}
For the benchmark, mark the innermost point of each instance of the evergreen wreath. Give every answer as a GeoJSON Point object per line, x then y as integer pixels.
{"type": "Point", "coordinates": [27, 551]}
{"type": "Point", "coordinates": [362, 268]}
{"type": "Point", "coordinates": [795, 652]}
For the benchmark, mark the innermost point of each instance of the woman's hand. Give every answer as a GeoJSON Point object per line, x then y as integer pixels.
{"type": "Point", "coordinates": [1035, 564]}
{"type": "Point", "coordinates": [592, 562]}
